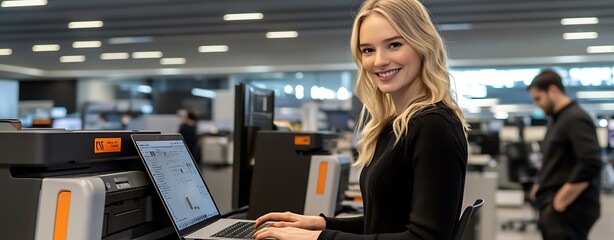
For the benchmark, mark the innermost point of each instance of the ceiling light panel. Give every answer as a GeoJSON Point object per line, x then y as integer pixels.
{"type": "Point", "coordinates": [86, 44]}
{"type": "Point", "coordinates": [172, 61]}
{"type": "Point", "coordinates": [150, 54]}
{"type": "Point", "coordinates": [23, 3]}
{"type": "Point", "coordinates": [282, 34]}
{"type": "Point", "coordinates": [72, 59]}
{"type": "Point", "coordinates": [114, 56]}
{"type": "Point", "coordinates": [600, 49]}
{"type": "Point", "coordinates": [243, 16]}
{"type": "Point", "coordinates": [579, 21]}
{"type": "Point", "coordinates": [5, 51]}
{"type": "Point", "coordinates": [85, 24]}
{"type": "Point", "coordinates": [580, 35]}
{"type": "Point", "coordinates": [213, 48]}
{"type": "Point", "coordinates": [46, 48]}
{"type": "Point", "coordinates": [128, 40]}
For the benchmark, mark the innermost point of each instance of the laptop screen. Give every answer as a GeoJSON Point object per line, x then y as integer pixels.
{"type": "Point", "coordinates": [178, 181]}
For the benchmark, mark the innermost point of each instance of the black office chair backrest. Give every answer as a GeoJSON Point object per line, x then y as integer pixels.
{"type": "Point", "coordinates": [519, 166]}
{"type": "Point", "coordinates": [461, 225]}
{"type": "Point", "coordinates": [517, 151]}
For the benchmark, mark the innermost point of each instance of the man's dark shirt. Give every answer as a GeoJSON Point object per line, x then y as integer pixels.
{"type": "Point", "coordinates": [571, 154]}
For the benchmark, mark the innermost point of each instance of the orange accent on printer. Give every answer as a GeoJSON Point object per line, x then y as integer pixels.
{"type": "Point", "coordinates": [302, 140]}
{"type": "Point", "coordinates": [62, 209]}
{"type": "Point", "coordinates": [322, 178]}
{"type": "Point", "coordinates": [41, 121]}
{"type": "Point", "coordinates": [107, 145]}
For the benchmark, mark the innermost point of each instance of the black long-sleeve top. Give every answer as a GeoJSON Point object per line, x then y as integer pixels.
{"type": "Point", "coordinates": [571, 154]}
{"type": "Point", "coordinates": [414, 189]}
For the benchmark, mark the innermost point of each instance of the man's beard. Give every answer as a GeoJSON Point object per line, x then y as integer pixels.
{"type": "Point", "coordinates": [549, 108]}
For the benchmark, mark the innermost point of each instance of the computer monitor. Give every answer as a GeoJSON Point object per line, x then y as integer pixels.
{"type": "Point", "coordinates": [475, 126]}
{"type": "Point", "coordinates": [338, 120]}
{"type": "Point", "coordinates": [58, 112]}
{"type": "Point", "coordinates": [73, 123]}
{"type": "Point", "coordinates": [488, 141]}
{"type": "Point", "coordinates": [254, 111]}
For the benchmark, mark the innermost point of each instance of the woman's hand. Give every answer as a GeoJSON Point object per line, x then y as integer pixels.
{"type": "Point", "coordinates": [283, 233]}
{"type": "Point", "coordinates": [288, 219]}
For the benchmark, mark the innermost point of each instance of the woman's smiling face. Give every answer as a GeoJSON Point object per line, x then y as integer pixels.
{"type": "Point", "coordinates": [391, 63]}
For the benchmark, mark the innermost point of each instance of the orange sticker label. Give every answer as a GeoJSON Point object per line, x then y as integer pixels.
{"type": "Point", "coordinates": [302, 140]}
{"type": "Point", "coordinates": [107, 145]}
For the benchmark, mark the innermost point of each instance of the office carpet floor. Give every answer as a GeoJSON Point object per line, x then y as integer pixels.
{"type": "Point", "coordinates": [603, 229]}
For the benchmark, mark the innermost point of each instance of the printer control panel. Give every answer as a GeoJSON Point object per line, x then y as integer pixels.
{"type": "Point", "coordinates": [124, 180]}
{"type": "Point", "coordinates": [121, 183]}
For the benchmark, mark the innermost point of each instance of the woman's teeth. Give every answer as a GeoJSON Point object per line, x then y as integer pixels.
{"type": "Point", "coordinates": [387, 74]}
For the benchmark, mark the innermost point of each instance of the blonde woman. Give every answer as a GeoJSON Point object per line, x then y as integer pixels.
{"type": "Point", "coordinates": [413, 148]}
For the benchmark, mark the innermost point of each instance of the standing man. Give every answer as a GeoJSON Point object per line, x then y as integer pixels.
{"type": "Point", "coordinates": [567, 188]}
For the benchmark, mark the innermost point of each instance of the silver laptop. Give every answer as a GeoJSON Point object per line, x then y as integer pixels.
{"type": "Point", "coordinates": [183, 191]}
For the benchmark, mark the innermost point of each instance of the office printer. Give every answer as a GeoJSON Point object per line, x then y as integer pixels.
{"type": "Point", "coordinates": [76, 185]}
{"type": "Point", "coordinates": [295, 171]}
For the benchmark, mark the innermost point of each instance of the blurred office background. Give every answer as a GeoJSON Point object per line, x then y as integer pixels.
{"type": "Point", "coordinates": [138, 64]}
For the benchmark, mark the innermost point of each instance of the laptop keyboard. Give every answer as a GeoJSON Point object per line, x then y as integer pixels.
{"type": "Point", "coordinates": [243, 230]}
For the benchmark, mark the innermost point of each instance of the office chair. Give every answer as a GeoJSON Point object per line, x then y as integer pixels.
{"type": "Point", "coordinates": [461, 225]}
{"type": "Point", "coordinates": [521, 171]}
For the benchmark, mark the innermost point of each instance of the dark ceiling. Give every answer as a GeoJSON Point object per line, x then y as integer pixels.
{"type": "Point", "coordinates": [502, 33]}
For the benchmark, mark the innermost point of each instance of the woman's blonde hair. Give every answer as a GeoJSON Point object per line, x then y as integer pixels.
{"type": "Point", "coordinates": [411, 20]}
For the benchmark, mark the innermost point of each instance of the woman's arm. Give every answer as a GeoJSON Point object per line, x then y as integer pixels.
{"type": "Point", "coordinates": [350, 225]}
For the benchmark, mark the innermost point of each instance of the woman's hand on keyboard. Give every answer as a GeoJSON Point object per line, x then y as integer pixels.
{"type": "Point", "coordinates": [288, 219]}
{"type": "Point", "coordinates": [286, 233]}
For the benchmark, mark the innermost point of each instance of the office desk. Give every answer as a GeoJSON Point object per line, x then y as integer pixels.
{"type": "Point", "coordinates": [484, 186]}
